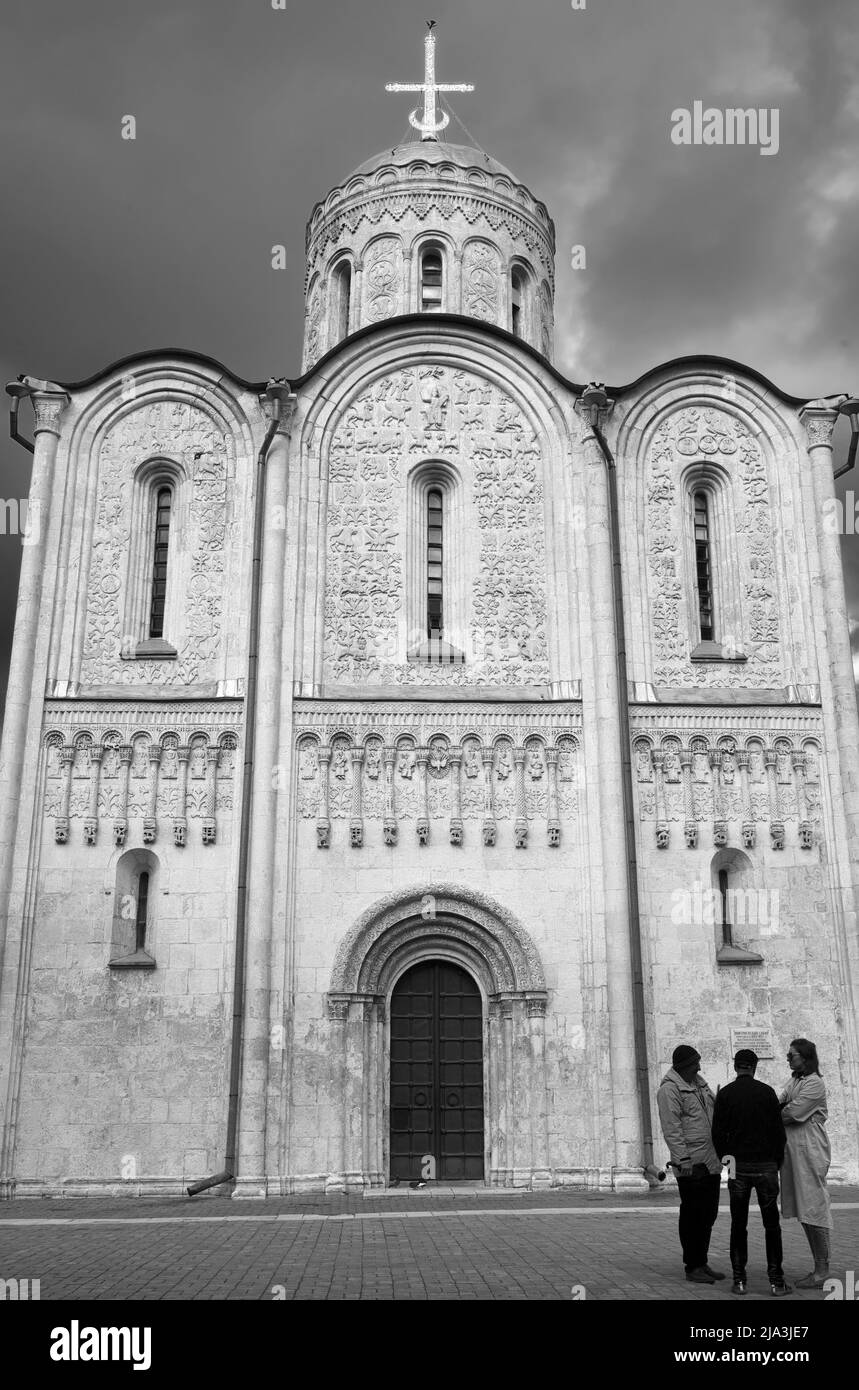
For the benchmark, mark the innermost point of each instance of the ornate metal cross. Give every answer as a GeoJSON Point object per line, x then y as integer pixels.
{"type": "Point", "coordinates": [434, 120]}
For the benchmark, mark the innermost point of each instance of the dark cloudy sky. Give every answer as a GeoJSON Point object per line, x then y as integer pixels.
{"type": "Point", "coordinates": [246, 115]}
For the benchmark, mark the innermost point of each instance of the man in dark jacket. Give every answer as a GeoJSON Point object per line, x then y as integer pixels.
{"type": "Point", "coordinates": [685, 1104]}
{"type": "Point", "coordinates": [748, 1135]}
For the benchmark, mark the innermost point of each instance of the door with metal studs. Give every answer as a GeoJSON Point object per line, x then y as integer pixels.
{"type": "Point", "coordinates": [437, 1075]}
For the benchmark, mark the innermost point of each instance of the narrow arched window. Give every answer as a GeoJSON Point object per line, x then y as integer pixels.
{"type": "Point", "coordinates": [142, 911]}
{"type": "Point", "coordinates": [517, 297]}
{"type": "Point", "coordinates": [725, 909]}
{"type": "Point", "coordinates": [431, 281]}
{"type": "Point", "coordinates": [343, 300]}
{"type": "Point", "coordinates": [703, 567]}
{"type": "Point", "coordinates": [163, 507]}
{"type": "Point", "coordinates": [435, 564]}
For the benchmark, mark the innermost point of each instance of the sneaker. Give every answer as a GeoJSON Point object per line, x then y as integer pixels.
{"type": "Point", "coordinates": [714, 1273]}
{"type": "Point", "coordinates": [700, 1276]}
{"type": "Point", "coordinates": [780, 1288]}
{"type": "Point", "coordinates": [738, 1286]}
{"type": "Point", "coordinates": [812, 1281]}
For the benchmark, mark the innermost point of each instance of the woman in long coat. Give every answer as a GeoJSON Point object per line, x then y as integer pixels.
{"type": "Point", "coordinates": [807, 1156]}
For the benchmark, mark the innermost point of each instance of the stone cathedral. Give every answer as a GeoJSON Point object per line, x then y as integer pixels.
{"type": "Point", "coordinates": [401, 758]}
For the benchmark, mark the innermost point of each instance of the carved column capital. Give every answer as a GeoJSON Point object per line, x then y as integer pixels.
{"type": "Point", "coordinates": [818, 419]}
{"type": "Point", "coordinates": [49, 403]}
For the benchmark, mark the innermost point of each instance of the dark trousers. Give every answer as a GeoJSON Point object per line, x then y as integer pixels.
{"type": "Point", "coordinates": [699, 1207]}
{"type": "Point", "coordinates": [761, 1178]}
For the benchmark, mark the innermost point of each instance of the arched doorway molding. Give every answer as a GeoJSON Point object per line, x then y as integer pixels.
{"type": "Point", "coordinates": [440, 922]}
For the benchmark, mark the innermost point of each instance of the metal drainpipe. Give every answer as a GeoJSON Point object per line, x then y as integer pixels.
{"type": "Point", "coordinates": [850, 408]}
{"type": "Point", "coordinates": [276, 392]}
{"type": "Point", "coordinates": [594, 398]}
{"type": "Point", "coordinates": [17, 390]}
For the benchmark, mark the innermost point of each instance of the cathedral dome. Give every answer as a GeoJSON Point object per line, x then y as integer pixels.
{"type": "Point", "coordinates": [433, 153]}
{"type": "Point", "coordinates": [430, 227]}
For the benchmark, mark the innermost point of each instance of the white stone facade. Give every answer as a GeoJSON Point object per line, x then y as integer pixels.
{"type": "Point", "coordinates": [403, 810]}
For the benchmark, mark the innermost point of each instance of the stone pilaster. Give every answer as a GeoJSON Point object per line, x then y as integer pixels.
{"type": "Point", "coordinates": [270, 742]}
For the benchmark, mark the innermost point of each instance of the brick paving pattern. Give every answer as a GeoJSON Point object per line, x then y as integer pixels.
{"type": "Point", "coordinates": [396, 1245]}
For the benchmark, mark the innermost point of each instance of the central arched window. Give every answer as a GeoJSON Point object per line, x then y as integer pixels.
{"type": "Point", "coordinates": [724, 910]}
{"type": "Point", "coordinates": [163, 508]}
{"type": "Point", "coordinates": [438, 565]}
{"type": "Point", "coordinates": [342, 300]}
{"type": "Point", "coordinates": [142, 911]}
{"type": "Point", "coordinates": [517, 295]}
{"type": "Point", "coordinates": [435, 564]}
{"type": "Point", "coordinates": [432, 280]}
{"type": "Point", "coordinates": [703, 567]}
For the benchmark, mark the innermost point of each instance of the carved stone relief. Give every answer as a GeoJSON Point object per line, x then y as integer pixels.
{"type": "Point", "coordinates": [182, 432]}
{"type": "Point", "coordinates": [383, 278]}
{"type": "Point", "coordinates": [426, 412]}
{"type": "Point", "coordinates": [481, 281]}
{"type": "Point", "coordinates": [138, 781]}
{"type": "Point", "coordinates": [436, 770]}
{"type": "Point", "coordinates": [762, 773]}
{"type": "Point", "coordinates": [711, 433]}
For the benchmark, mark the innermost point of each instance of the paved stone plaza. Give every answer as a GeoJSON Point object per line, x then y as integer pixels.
{"type": "Point", "coordinates": [401, 1244]}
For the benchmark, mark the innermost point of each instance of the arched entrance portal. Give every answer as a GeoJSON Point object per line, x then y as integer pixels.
{"type": "Point", "coordinates": [440, 925]}
{"type": "Point", "coordinates": [437, 1074]}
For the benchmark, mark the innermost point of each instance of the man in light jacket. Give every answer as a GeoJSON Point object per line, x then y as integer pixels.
{"type": "Point", "coordinates": [686, 1106]}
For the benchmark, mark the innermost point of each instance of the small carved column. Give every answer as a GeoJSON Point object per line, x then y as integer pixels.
{"type": "Point", "coordinates": [210, 825]}
{"type": "Point", "coordinates": [806, 838]}
{"type": "Point", "coordinates": [323, 821]}
{"type": "Point", "coordinates": [357, 305]}
{"type": "Point", "coordinates": [520, 824]}
{"type": "Point", "coordinates": [411, 288]}
{"type": "Point", "coordinates": [691, 827]}
{"type": "Point", "coordinates": [720, 827]}
{"type": "Point", "coordinates": [776, 825]}
{"type": "Point", "coordinates": [150, 823]}
{"type": "Point", "coordinates": [389, 826]}
{"type": "Point", "coordinates": [91, 820]}
{"type": "Point", "coordinates": [338, 1013]}
{"type": "Point", "coordinates": [180, 824]}
{"type": "Point", "coordinates": [356, 824]}
{"type": "Point", "coordinates": [353, 1095]}
{"type": "Point", "coordinates": [509, 1107]}
{"type": "Point", "coordinates": [375, 1091]}
{"type": "Point", "coordinates": [120, 825]}
{"type": "Point", "coordinates": [749, 832]}
{"type": "Point", "coordinates": [541, 1173]}
{"type": "Point", "coordinates": [455, 759]}
{"type": "Point", "coordinates": [457, 289]}
{"type": "Point", "coordinates": [490, 829]}
{"type": "Point", "coordinates": [61, 825]}
{"type": "Point", "coordinates": [496, 1117]}
{"type": "Point", "coordinates": [553, 823]}
{"type": "Point", "coordinates": [422, 756]}
{"type": "Point", "coordinates": [663, 832]}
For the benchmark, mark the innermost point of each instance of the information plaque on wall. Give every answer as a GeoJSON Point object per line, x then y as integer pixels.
{"type": "Point", "coordinates": [758, 1039]}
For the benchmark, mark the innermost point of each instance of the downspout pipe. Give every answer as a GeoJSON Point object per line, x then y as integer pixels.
{"type": "Point", "coordinates": [277, 393]}
{"type": "Point", "coordinates": [850, 408]}
{"type": "Point", "coordinates": [17, 390]}
{"type": "Point", "coordinates": [594, 399]}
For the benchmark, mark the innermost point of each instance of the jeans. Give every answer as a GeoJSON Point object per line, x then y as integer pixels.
{"type": "Point", "coordinates": [699, 1207]}
{"type": "Point", "coordinates": [761, 1178]}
